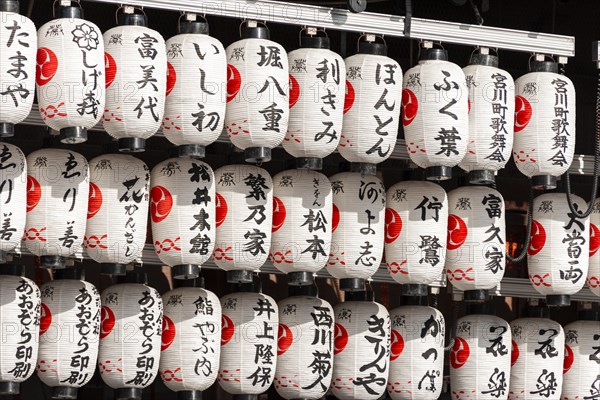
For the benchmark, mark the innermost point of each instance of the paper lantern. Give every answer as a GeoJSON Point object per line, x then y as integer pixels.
{"type": "Point", "coordinates": [317, 77]}
{"type": "Point", "coordinates": [257, 93]}
{"type": "Point", "coordinates": [593, 278]}
{"type": "Point", "coordinates": [435, 114]}
{"type": "Point", "coordinates": [18, 39]}
{"type": "Point", "coordinates": [491, 118]}
{"type": "Point", "coordinates": [304, 348]}
{"type": "Point", "coordinates": [13, 197]}
{"type": "Point", "coordinates": [416, 220]}
{"type": "Point", "coordinates": [118, 211]}
{"type": "Point", "coordinates": [476, 247]}
{"type": "Point", "coordinates": [196, 81]}
{"type": "Point", "coordinates": [416, 353]}
{"type": "Point", "coordinates": [581, 379]}
{"type": "Point", "coordinates": [372, 105]}
{"type": "Point", "coordinates": [129, 358]}
{"type": "Point", "coordinates": [557, 256]}
{"type": "Point", "coordinates": [20, 315]}
{"type": "Point", "coordinates": [537, 359]}
{"type": "Point", "coordinates": [182, 212]}
{"type": "Point", "coordinates": [191, 334]}
{"type": "Point", "coordinates": [248, 343]}
{"type": "Point", "coordinates": [70, 329]}
{"type": "Point", "coordinates": [302, 224]}
{"type": "Point", "coordinates": [361, 350]}
{"type": "Point", "coordinates": [57, 200]}
{"type": "Point", "coordinates": [244, 213]}
{"type": "Point", "coordinates": [136, 81]}
{"type": "Point", "coordinates": [358, 225]}
{"type": "Point", "coordinates": [480, 358]}
{"type": "Point", "coordinates": [544, 124]}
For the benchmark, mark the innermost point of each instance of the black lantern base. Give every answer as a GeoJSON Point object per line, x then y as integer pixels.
{"type": "Point", "coordinates": [132, 145]}
{"type": "Point", "coordinates": [558, 300]}
{"type": "Point", "coordinates": [352, 284]}
{"type": "Point", "coordinates": [245, 397]}
{"type": "Point", "coordinates": [9, 388]}
{"type": "Point", "coordinates": [2, 257]}
{"type": "Point", "coordinates": [113, 269]}
{"type": "Point", "coordinates": [543, 182]}
{"type": "Point", "coordinates": [240, 276]}
{"type": "Point", "coordinates": [438, 173]}
{"type": "Point", "coordinates": [476, 296]}
{"type": "Point", "coordinates": [6, 129]}
{"type": "Point", "coordinates": [63, 392]}
{"type": "Point", "coordinates": [189, 395]}
{"type": "Point", "coordinates": [12, 269]}
{"type": "Point", "coordinates": [484, 59]}
{"type": "Point", "coordinates": [54, 262]}
{"type": "Point", "coordinates": [482, 177]}
{"type": "Point", "coordinates": [73, 134]}
{"type": "Point", "coordinates": [257, 154]}
{"type": "Point", "coordinates": [300, 278]}
{"type": "Point", "coordinates": [191, 150]}
{"type": "Point", "coordinates": [312, 163]}
{"type": "Point", "coordinates": [414, 290]}
{"type": "Point", "coordinates": [186, 271]}
{"type": "Point", "coordinates": [364, 168]}
{"type": "Point", "coordinates": [128, 394]}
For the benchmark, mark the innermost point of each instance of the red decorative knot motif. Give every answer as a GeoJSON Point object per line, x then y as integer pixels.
{"type": "Point", "coordinates": [396, 268]}
{"type": "Point", "coordinates": [35, 234]}
{"type": "Point", "coordinates": [226, 376]}
{"type": "Point", "coordinates": [337, 259]}
{"type": "Point", "coordinates": [53, 111]}
{"type": "Point", "coordinates": [108, 366]}
{"type": "Point", "coordinates": [172, 123]}
{"type": "Point", "coordinates": [167, 245]}
{"type": "Point", "coordinates": [522, 157]}
{"type": "Point", "coordinates": [286, 382]}
{"type": "Point", "coordinates": [168, 375]}
{"type": "Point", "coordinates": [593, 282]}
{"type": "Point", "coordinates": [279, 257]}
{"type": "Point", "coordinates": [345, 141]}
{"type": "Point", "coordinates": [47, 366]}
{"type": "Point", "coordinates": [94, 241]}
{"type": "Point", "coordinates": [236, 128]}
{"type": "Point", "coordinates": [459, 275]}
{"type": "Point", "coordinates": [538, 280]}
{"type": "Point", "coordinates": [414, 148]}
{"type": "Point", "coordinates": [220, 254]}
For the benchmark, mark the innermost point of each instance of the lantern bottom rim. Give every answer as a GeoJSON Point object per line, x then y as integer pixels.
{"type": "Point", "coordinates": [311, 163]}
{"type": "Point", "coordinates": [186, 271]}
{"type": "Point", "coordinates": [543, 182]}
{"type": "Point", "coordinates": [191, 150]}
{"type": "Point", "coordinates": [363, 168]}
{"type": "Point", "coordinates": [73, 134]}
{"type": "Point", "coordinates": [113, 269]}
{"type": "Point", "coordinates": [245, 397]}
{"type": "Point", "coordinates": [9, 388]}
{"type": "Point", "coordinates": [132, 145]}
{"type": "Point", "coordinates": [7, 129]}
{"type": "Point", "coordinates": [189, 395]}
{"type": "Point", "coordinates": [63, 392]}
{"type": "Point", "coordinates": [300, 278]}
{"type": "Point", "coordinates": [12, 269]}
{"type": "Point", "coordinates": [482, 177]}
{"type": "Point", "coordinates": [240, 276]}
{"type": "Point", "coordinates": [257, 154]}
{"type": "Point", "coordinates": [414, 290]}
{"type": "Point", "coordinates": [558, 300]}
{"type": "Point", "coordinates": [352, 284]}
{"type": "Point", "coordinates": [128, 394]}
{"type": "Point", "coordinates": [438, 173]}
{"type": "Point", "coordinates": [54, 262]}
{"type": "Point", "coordinates": [476, 296]}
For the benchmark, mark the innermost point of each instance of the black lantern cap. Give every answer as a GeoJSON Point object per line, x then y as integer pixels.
{"type": "Point", "coordinates": [71, 273]}
{"type": "Point", "coordinates": [198, 27]}
{"type": "Point", "coordinates": [308, 290]}
{"type": "Point", "coordinates": [134, 19]}
{"type": "Point", "coordinates": [136, 276]}
{"type": "Point", "coordinates": [255, 32]}
{"type": "Point", "coordinates": [415, 300]}
{"type": "Point", "coordinates": [543, 66]}
{"type": "Point", "coordinates": [484, 59]}
{"type": "Point", "coordinates": [537, 312]}
{"type": "Point", "coordinates": [373, 48]}
{"type": "Point", "coordinates": [434, 54]}
{"type": "Point", "coordinates": [476, 296]}
{"type": "Point", "coordinates": [197, 283]}
{"type": "Point", "coordinates": [12, 269]}
{"type": "Point", "coordinates": [352, 284]}
{"type": "Point", "coordinates": [9, 388]}
{"type": "Point", "coordinates": [314, 42]}
{"type": "Point", "coordinates": [69, 11]}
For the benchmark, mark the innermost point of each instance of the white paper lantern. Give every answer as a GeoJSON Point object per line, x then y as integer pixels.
{"type": "Point", "coordinates": [317, 77]}
{"type": "Point", "coordinates": [18, 39]}
{"type": "Point", "coordinates": [362, 350]}
{"type": "Point", "coordinates": [20, 315]}
{"type": "Point", "coordinates": [435, 114]}
{"type": "Point", "coordinates": [257, 113]}
{"type": "Point", "coordinates": [57, 201]}
{"type": "Point", "coordinates": [118, 211]}
{"type": "Point", "coordinates": [544, 124]}
{"type": "Point", "coordinates": [13, 197]}
{"type": "Point", "coordinates": [130, 338]}
{"type": "Point", "coordinates": [557, 257]}
{"type": "Point", "coordinates": [248, 343]}
{"type": "Point", "coordinates": [480, 359]}
{"type": "Point", "coordinates": [491, 118]}
{"type": "Point", "coordinates": [69, 335]}
{"type": "Point", "coordinates": [581, 378]}
{"type": "Point", "coordinates": [182, 211]}
{"type": "Point", "coordinates": [416, 220]}
{"type": "Point", "coordinates": [189, 361]}
{"type": "Point", "coordinates": [476, 240]}
{"type": "Point", "coordinates": [244, 213]}
{"type": "Point", "coordinates": [136, 82]}
{"type": "Point", "coordinates": [304, 348]}
{"type": "Point", "coordinates": [302, 221]}
{"type": "Point", "coordinates": [593, 278]}
{"type": "Point", "coordinates": [537, 359]}
{"type": "Point", "coordinates": [416, 353]}
{"type": "Point", "coordinates": [196, 82]}
{"type": "Point", "coordinates": [358, 226]}
{"type": "Point", "coordinates": [372, 105]}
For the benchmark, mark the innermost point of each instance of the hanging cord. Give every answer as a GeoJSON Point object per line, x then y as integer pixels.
{"type": "Point", "coordinates": [521, 256]}
{"type": "Point", "coordinates": [408, 18]}
{"type": "Point", "coordinates": [478, 16]}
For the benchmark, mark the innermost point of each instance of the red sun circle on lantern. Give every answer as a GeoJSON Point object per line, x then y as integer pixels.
{"type": "Point", "coordinates": [234, 82]}
{"type": "Point", "coordinates": [393, 225]}
{"type": "Point", "coordinates": [569, 358]}
{"type": "Point", "coordinates": [110, 67]}
{"type": "Point", "coordinates": [34, 192]}
{"type": "Point", "coordinates": [460, 353]}
{"type": "Point", "coordinates": [294, 91]}
{"type": "Point", "coordinates": [514, 354]}
{"type": "Point", "coordinates": [410, 106]}
{"type": "Point", "coordinates": [523, 113]}
{"type": "Point", "coordinates": [340, 338]}
{"type": "Point", "coordinates": [284, 339]}
{"type": "Point", "coordinates": [47, 65]}
{"type": "Point", "coordinates": [107, 321]}
{"type": "Point", "coordinates": [538, 238]}
{"type": "Point", "coordinates": [335, 218]}
{"type": "Point", "coordinates": [168, 333]}
{"type": "Point", "coordinates": [45, 319]}
{"type": "Point", "coordinates": [95, 200]}
{"type": "Point", "coordinates": [457, 232]}
{"type": "Point", "coordinates": [227, 329]}
{"type": "Point", "coordinates": [171, 77]}
{"type": "Point", "coordinates": [279, 213]}
{"type": "Point", "coordinates": [221, 209]}
{"type": "Point", "coordinates": [397, 345]}
{"type": "Point", "coordinates": [161, 203]}
{"type": "Point", "coordinates": [349, 98]}
{"type": "Point", "coordinates": [594, 239]}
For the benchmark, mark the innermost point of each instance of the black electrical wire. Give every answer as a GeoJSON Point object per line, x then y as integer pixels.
{"type": "Point", "coordinates": [523, 253]}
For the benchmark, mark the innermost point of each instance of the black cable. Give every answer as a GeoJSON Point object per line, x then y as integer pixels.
{"type": "Point", "coordinates": [521, 256]}
{"type": "Point", "coordinates": [408, 18]}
